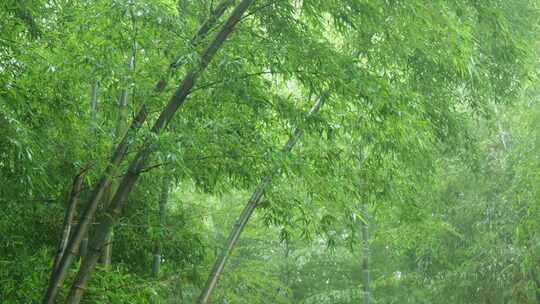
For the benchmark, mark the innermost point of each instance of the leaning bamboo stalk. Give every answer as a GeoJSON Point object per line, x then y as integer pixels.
{"type": "Point", "coordinates": [252, 203]}
{"type": "Point", "coordinates": [68, 216]}
{"type": "Point", "coordinates": [58, 276]}
{"type": "Point", "coordinates": [82, 228]}
{"type": "Point", "coordinates": [131, 176]}
{"type": "Point", "coordinates": [203, 31]}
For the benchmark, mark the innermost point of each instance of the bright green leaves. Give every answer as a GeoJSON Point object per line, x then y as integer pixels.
{"type": "Point", "coordinates": [403, 78]}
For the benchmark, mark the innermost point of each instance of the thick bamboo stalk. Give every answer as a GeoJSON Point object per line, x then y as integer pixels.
{"type": "Point", "coordinates": [242, 220]}
{"type": "Point", "coordinates": [86, 219]}
{"type": "Point", "coordinates": [130, 178]}
{"type": "Point", "coordinates": [83, 247]}
{"type": "Point", "coordinates": [68, 216]}
{"type": "Point", "coordinates": [57, 278]}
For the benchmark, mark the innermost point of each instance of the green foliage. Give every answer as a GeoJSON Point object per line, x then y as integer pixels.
{"type": "Point", "coordinates": [406, 130]}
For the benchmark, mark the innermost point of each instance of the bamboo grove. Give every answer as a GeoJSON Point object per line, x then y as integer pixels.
{"type": "Point", "coordinates": [269, 151]}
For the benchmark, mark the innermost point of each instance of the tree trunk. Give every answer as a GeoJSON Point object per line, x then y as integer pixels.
{"type": "Point", "coordinates": [132, 174]}
{"type": "Point", "coordinates": [242, 220]}
{"type": "Point", "coordinates": [365, 254]}
{"type": "Point", "coordinates": [121, 126]}
{"type": "Point", "coordinates": [88, 214]}
{"type": "Point", "coordinates": [68, 216]}
{"type": "Point", "coordinates": [287, 270]}
{"type": "Point", "coordinates": [164, 196]}
{"type": "Point", "coordinates": [57, 278]}
{"type": "Point", "coordinates": [83, 247]}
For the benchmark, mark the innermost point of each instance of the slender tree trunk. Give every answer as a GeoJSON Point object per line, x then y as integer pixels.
{"type": "Point", "coordinates": [365, 254]}
{"type": "Point", "coordinates": [121, 126]}
{"type": "Point", "coordinates": [88, 214]}
{"type": "Point", "coordinates": [57, 277]}
{"type": "Point", "coordinates": [242, 220]}
{"type": "Point", "coordinates": [83, 247]}
{"type": "Point", "coordinates": [94, 104]}
{"type": "Point", "coordinates": [131, 176]}
{"type": "Point", "coordinates": [163, 198]}
{"type": "Point", "coordinates": [156, 257]}
{"type": "Point", "coordinates": [68, 216]}
{"type": "Point", "coordinates": [287, 270]}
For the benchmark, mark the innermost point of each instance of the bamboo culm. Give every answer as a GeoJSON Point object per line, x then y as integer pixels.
{"type": "Point", "coordinates": [58, 276]}
{"type": "Point", "coordinates": [69, 215]}
{"type": "Point", "coordinates": [88, 214]}
{"type": "Point", "coordinates": [83, 247]}
{"type": "Point", "coordinates": [242, 220]}
{"type": "Point", "coordinates": [121, 126]}
{"type": "Point", "coordinates": [365, 255]}
{"type": "Point", "coordinates": [131, 176]}
{"type": "Point", "coordinates": [163, 198]}
{"type": "Point", "coordinates": [196, 39]}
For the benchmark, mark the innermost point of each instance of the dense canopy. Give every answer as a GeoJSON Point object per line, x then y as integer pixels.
{"type": "Point", "coordinates": [269, 151]}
